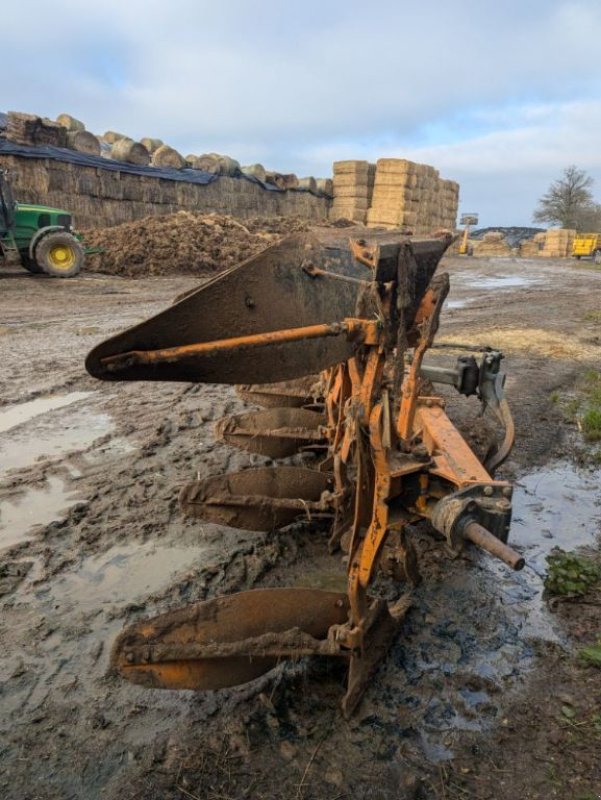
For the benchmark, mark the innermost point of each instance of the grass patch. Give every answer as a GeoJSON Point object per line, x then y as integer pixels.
{"type": "Point", "coordinates": [590, 419]}
{"type": "Point", "coordinates": [591, 425]}
{"type": "Point", "coordinates": [592, 655]}
{"type": "Point", "coordinates": [583, 409]}
{"type": "Point", "coordinates": [592, 316]}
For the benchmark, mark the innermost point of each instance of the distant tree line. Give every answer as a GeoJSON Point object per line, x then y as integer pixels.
{"type": "Point", "coordinates": [568, 203]}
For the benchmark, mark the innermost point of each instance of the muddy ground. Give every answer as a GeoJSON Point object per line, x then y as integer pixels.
{"type": "Point", "coordinates": [481, 697]}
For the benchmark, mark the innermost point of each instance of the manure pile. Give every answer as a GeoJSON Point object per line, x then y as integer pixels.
{"type": "Point", "coordinates": [183, 243]}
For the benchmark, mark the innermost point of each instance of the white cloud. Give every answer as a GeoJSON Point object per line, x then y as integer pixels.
{"type": "Point", "coordinates": [477, 87]}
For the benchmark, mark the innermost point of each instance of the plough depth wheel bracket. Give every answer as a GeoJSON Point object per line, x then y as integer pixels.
{"type": "Point", "coordinates": [384, 453]}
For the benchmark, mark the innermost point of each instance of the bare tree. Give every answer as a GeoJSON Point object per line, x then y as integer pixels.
{"type": "Point", "coordinates": [568, 202]}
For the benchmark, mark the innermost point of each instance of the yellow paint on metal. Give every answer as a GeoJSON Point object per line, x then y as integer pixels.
{"type": "Point", "coordinates": [62, 256]}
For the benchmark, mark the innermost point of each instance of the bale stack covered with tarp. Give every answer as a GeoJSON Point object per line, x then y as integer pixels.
{"type": "Point", "coordinates": [353, 188]}
{"type": "Point", "coordinates": [412, 196]}
{"type": "Point", "coordinates": [558, 243]}
{"type": "Point", "coordinates": [492, 244]}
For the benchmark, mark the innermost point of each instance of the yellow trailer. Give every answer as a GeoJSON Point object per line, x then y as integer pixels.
{"type": "Point", "coordinates": [587, 245]}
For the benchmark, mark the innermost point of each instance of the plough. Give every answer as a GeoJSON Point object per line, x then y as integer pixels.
{"type": "Point", "coordinates": [330, 337]}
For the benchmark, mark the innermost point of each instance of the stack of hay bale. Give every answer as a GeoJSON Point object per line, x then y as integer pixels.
{"type": "Point", "coordinates": [412, 196]}
{"type": "Point", "coordinates": [558, 243]}
{"type": "Point", "coordinates": [353, 189]}
{"type": "Point", "coordinates": [492, 244]}
{"type": "Point", "coordinates": [30, 129]}
{"type": "Point", "coordinates": [532, 248]}
{"type": "Point", "coordinates": [67, 131]}
{"type": "Point", "coordinates": [448, 205]}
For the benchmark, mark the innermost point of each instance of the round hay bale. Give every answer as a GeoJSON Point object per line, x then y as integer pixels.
{"type": "Point", "coordinates": [166, 156]}
{"type": "Point", "coordinates": [70, 123]}
{"type": "Point", "coordinates": [255, 171]}
{"type": "Point", "coordinates": [151, 144]}
{"type": "Point", "coordinates": [325, 186]}
{"type": "Point", "coordinates": [112, 136]}
{"type": "Point", "coordinates": [229, 166]}
{"type": "Point", "coordinates": [130, 152]}
{"type": "Point", "coordinates": [208, 162]}
{"type": "Point", "coordinates": [290, 181]}
{"type": "Point", "coordinates": [83, 142]}
{"type": "Point", "coordinates": [493, 236]}
{"type": "Point", "coordinates": [308, 184]}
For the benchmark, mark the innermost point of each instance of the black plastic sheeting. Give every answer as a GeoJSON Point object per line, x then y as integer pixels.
{"type": "Point", "coordinates": [85, 160]}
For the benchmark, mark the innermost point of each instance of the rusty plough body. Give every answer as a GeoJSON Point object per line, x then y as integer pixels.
{"type": "Point", "coordinates": [344, 329]}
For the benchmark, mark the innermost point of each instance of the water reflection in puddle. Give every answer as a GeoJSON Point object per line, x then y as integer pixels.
{"type": "Point", "coordinates": [51, 435]}
{"type": "Point", "coordinates": [497, 281]}
{"type": "Point", "coordinates": [452, 304]}
{"type": "Point", "coordinates": [17, 415]}
{"type": "Point", "coordinates": [473, 628]}
{"type": "Point", "coordinates": [34, 507]}
{"type": "Point", "coordinates": [124, 574]}
{"type": "Point", "coordinates": [556, 507]}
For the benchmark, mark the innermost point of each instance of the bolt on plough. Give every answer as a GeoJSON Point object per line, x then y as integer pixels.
{"type": "Point", "coordinates": [330, 337]}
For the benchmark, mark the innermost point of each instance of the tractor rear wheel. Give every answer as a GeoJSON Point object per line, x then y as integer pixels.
{"type": "Point", "coordinates": [59, 254]}
{"type": "Point", "coordinates": [28, 263]}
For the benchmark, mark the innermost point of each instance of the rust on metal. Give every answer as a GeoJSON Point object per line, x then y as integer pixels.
{"type": "Point", "coordinates": [286, 394]}
{"type": "Point", "coordinates": [223, 642]}
{"type": "Point", "coordinates": [261, 499]}
{"type": "Point", "coordinates": [273, 432]}
{"type": "Point", "coordinates": [477, 534]}
{"type": "Point", "coordinates": [345, 326]}
{"type": "Point", "coordinates": [268, 292]}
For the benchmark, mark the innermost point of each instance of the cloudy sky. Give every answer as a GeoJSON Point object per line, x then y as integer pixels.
{"type": "Point", "coordinates": [499, 95]}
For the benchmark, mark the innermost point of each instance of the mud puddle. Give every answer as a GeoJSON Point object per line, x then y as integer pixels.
{"type": "Point", "coordinates": [466, 282]}
{"type": "Point", "coordinates": [122, 575]}
{"type": "Point", "coordinates": [19, 517]}
{"type": "Point", "coordinates": [78, 615]}
{"type": "Point", "coordinates": [454, 304]}
{"type": "Point", "coordinates": [17, 415]}
{"type": "Point", "coordinates": [50, 434]}
{"type": "Point", "coordinates": [557, 506]}
{"type": "Point", "coordinates": [497, 281]}
{"type": "Point", "coordinates": [474, 630]}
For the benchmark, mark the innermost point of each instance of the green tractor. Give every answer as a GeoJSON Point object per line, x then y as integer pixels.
{"type": "Point", "coordinates": [39, 238]}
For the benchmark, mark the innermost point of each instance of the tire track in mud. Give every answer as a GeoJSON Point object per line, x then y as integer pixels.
{"type": "Point", "coordinates": [123, 551]}
{"type": "Point", "coordinates": [110, 559]}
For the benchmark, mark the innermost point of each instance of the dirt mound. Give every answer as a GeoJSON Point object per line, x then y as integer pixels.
{"type": "Point", "coordinates": [183, 243]}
